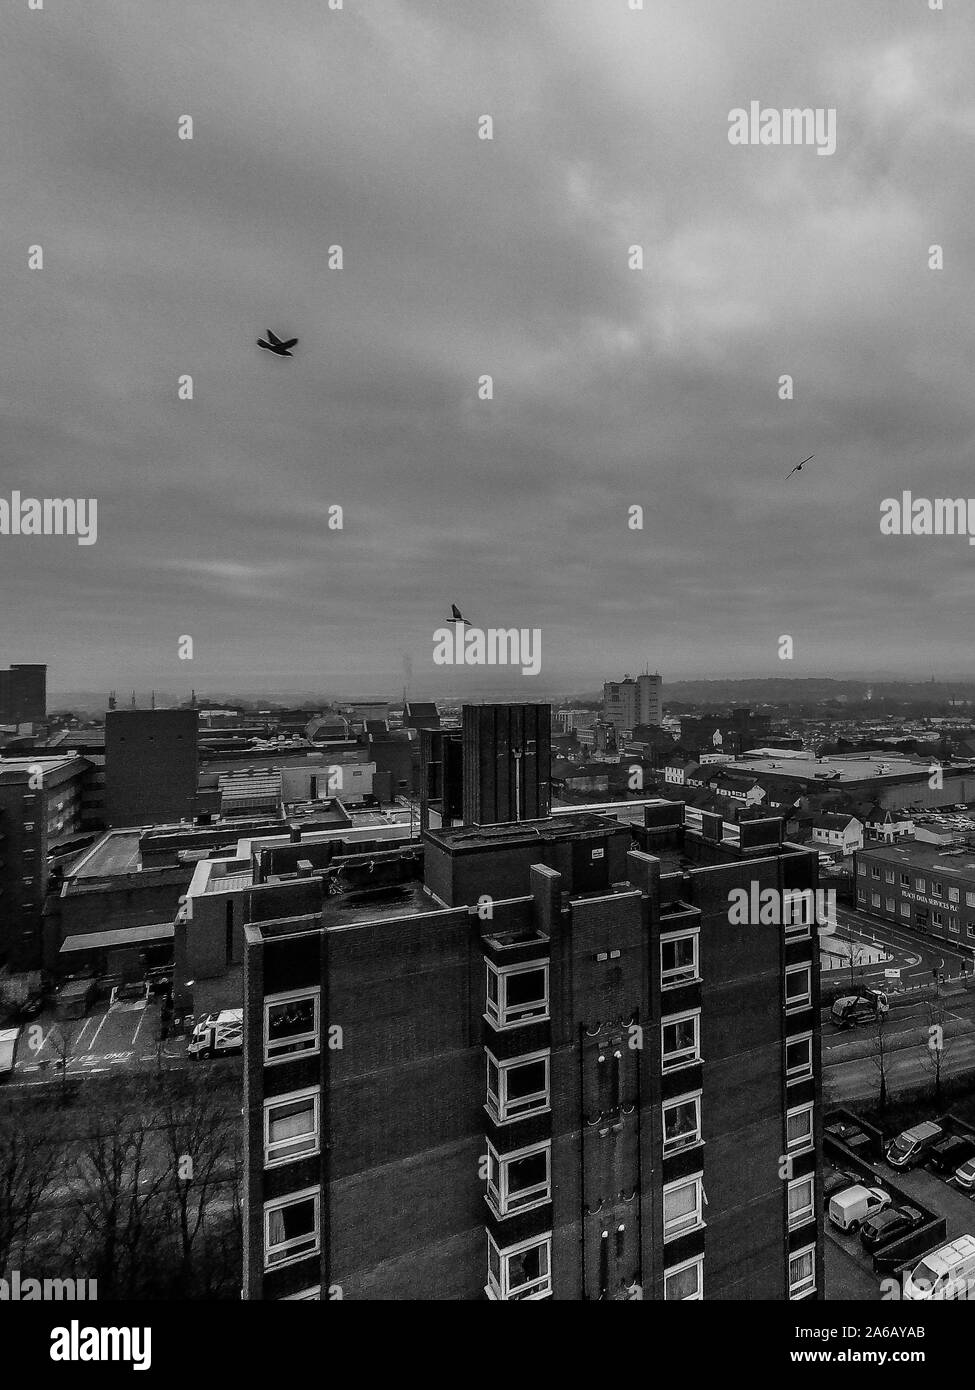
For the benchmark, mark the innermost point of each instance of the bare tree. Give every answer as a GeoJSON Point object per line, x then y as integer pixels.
{"type": "Point", "coordinates": [27, 1163]}
{"type": "Point", "coordinates": [198, 1135]}
{"type": "Point", "coordinates": [116, 1195]}
{"type": "Point", "coordinates": [936, 1046]}
{"type": "Point", "coordinates": [880, 1055]}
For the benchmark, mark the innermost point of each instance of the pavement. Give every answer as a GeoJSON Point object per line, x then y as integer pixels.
{"type": "Point", "coordinates": [125, 1035]}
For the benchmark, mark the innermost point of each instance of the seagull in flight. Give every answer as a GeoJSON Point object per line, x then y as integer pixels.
{"type": "Point", "coordinates": [798, 467]}
{"type": "Point", "coordinates": [275, 345]}
{"type": "Point", "coordinates": [456, 616]}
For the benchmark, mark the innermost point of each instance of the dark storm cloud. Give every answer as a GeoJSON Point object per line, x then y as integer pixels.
{"type": "Point", "coordinates": [465, 257]}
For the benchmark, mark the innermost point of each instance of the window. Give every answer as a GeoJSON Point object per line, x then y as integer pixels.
{"type": "Point", "coordinates": [937, 920]}
{"type": "Point", "coordinates": [678, 958]}
{"type": "Point", "coordinates": [685, 1282]}
{"type": "Point", "coordinates": [937, 891]}
{"type": "Point", "coordinates": [970, 899]}
{"type": "Point", "coordinates": [888, 875]}
{"type": "Point", "coordinates": [682, 1122]}
{"type": "Point", "coordinates": [683, 1206]}
{"type": "Point", "coordinates": [517, 1087]}
{"type": "Point", "coordinates": [802, 1201]}
{"type": "Point", "coordinates": [861, 895]}
{"type": "Point", "coordinates": [919, 885]}
{"type": "Point", "coordinates": [521, 1271]}
{"type": "Point", "coordinates": [799, 1057]}
{"type": "Point", "coordinates": [517, 993]}
{"type": "Point", "coordinates": [799, 1128]}
{"type": "Point", "coordinates": [291, 1024]}
{"type": "Point", "coordinates": [802, 1272]}
{"type": "Point", "coordinates": [798, 911]}
{"type": "Point", "coordinates": [798, 987]}
{"type": "Point", "coordinates": [875, 899]}
{"type": "Point", "coordinates": [291, 1126]}
{"type": "Point", "coordinates": [861, 867]}
{"type": "Point", "coordinates": [889, 904]}
{"type": "Point", "coordinates": [905, 880]}
{"type": "Point", "coordinates": [905, 909]}
{"type": "Point", "coordinates": [291, 1228]}
{"type": "Point", "coordinates": [874, 871]}
{"type": "Point", "coordinates": [953, 895]}
{"type": "Point", "coordinates": [519, 1180]}
{"type": "Point", "coordinates": [970, 929]}
{"type": "Point", "coordinates": [680, 1040]}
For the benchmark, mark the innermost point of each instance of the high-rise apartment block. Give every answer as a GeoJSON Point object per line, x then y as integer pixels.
{"type": "Point", "coordinates": [534, 1058]}
{"type": "Point", "coordinates": [629, 702]}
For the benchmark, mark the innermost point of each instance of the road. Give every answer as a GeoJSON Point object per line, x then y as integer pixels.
{"type": "Point", "coordinates": [916, 958]}
{"type": "Point", "coordinates": [850, 1073]}
{"type": "Point", "coordinates": [126, 1035]}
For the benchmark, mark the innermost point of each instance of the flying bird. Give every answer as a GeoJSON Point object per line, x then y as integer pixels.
{"type": "Point", "coordinates": [798, 467]}
{"type": "Point", "coordinates": [456, 616]}
{"type": "Point", "coordinates": [276, 345]}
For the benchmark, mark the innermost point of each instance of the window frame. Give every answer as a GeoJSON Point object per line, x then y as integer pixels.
{"type": "Point", "coordinates": [808, 1212]}
{"type": "Point", "coordinates": [313, 1194]}
{"type": "Point", "coordinates": [501, 1291]}
{"type": "Point", "coordinates": [691, 1097]}
{"type": "Point", "coordinates": [499, 1106]}
{"type": "Point", "coordinates": [312, 1041]}
{"type": "Point", "coordinates": [670, 979]}
{"type": "Point", "coordinates": [275, 1155]}
{"type": "Point", "coordinates": [804, 1001]}
{"type": "Point", "coordinates": [499, 1014]}
{"type": "Point", "coordinates": [668, 1021]}
{"type": "Point", "coordinates": [695, 1261]}
{"type": "Point", "coordinates": [804, 1072]}
{"type": "Point", "coordinates": [499, 1197]}
{"type": "Point", "coordinates": [807, 1142]}
{"type": "Point", "coordinates": [798, 1289]}
{"type": "Point", "coordinates": [697, 1223]}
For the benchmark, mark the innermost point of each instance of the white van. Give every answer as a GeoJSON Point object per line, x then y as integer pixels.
{"type": "Point", "coordinates": [851, 1207]}
{"type": "Point", "coordinates": [945, 1273]}
{"type": "Point", "coordinates": [218, 1034]}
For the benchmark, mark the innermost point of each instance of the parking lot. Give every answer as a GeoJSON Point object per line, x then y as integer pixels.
{"type": "Point", "coordinates": [123, 1035]}
{"type": "Point", "coordinates": [849, 1267]}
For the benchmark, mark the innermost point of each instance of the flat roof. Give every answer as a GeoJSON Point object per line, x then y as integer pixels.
{"type": "Point", "coordinates": [117, 852]}
{"type": "Point", "coordinates": [855, 769]}
{"type": "Point", "coordinates": [121, 936]}
{"type": "Point", "coordinates": [913, 854]}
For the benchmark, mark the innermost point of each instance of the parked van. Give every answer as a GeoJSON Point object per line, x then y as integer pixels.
{"type": "Point", "coordinates": [911, 1148]}
{"type": "Point", "coordinates": [945, 1273]}
{"type": "Point", "coordinates": [849, 1208]}
{"type": "Point", "coordinates": [852, 1009]}
{"type": "Point", "coordinates": [218, 1034]}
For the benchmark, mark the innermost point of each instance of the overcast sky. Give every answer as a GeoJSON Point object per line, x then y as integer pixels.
{"type": "Point", "coordinates": [462, 257]}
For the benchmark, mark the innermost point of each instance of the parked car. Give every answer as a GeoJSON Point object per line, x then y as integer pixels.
{"type": "Point", "coordinates": [9, 1038]}
{"type": "Point", "coordinates": [965, 1175]}
{"type": "Point", "coordinates": [129, 993]}
{"type": "Point", "coordinates": [852, 1009]}
{"type": "Point", "coordinates": [912, 1146]}
{"type": "Point", "coordinates": [944, 1273]}
{"type": "Point", "coordinates": [890, 1225]}
{"type": "Point", "coordinates": [854, 1205]}
{"type": "Point", "coordinates": [950, 1153]}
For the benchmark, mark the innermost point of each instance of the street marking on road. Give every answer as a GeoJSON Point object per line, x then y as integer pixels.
{"type": "Point", "coordinates": [91, 1045]}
